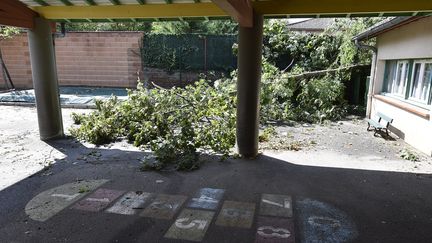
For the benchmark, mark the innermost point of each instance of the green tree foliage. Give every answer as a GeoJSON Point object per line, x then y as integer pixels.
{"type": "Point", "coordinates": [208, 27]}
{"type": "Point", "coordinates": [345, 29]}
{"type": "Point", "coordinates": [308, 100]}
{"type": "Point", "coordinates": [109, 26]}
{"type": "Point", "coordinates": [317, 98]}
{"type": "Point", "coordinates": [308, 52]}
{"type": "Point", "coordinates": [7, 32]}
{"type": "Point", "coordinates": [178, 124]}
{"type": "Point", "coordinates": [174, 123]}
{"type": "Point", "coordinates": [276, 95]}
{"type": "Point", "coordinates": [320, 99]}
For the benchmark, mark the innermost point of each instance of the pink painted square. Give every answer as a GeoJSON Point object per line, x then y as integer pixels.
{"type": "Point", "coordinates": [98, 200]}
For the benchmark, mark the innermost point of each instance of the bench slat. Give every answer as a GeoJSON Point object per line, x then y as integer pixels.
{"type": "Point", "coordinates": [384, 117]}
{"type": "Point", "coordinates": [375, 123]}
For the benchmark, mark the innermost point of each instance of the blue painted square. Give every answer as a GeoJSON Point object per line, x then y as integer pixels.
{"type": "Point", "coordinates": [206, 198]}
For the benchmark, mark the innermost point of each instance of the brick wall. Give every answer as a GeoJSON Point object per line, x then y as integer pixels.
{"type": "Point", "coordinates": [16, 56]}
{"type": "Point", "coordinates": [105, 59]}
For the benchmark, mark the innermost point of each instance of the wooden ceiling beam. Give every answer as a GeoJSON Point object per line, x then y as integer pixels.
{"type": "Point", "coordinates": [128, 11]}
{"type": "Point", "coordinates": [240, 10]}
{"type": "Point", "coordinates": [15, 13]}
{"type": "Point", "coordinates": [322, 7]}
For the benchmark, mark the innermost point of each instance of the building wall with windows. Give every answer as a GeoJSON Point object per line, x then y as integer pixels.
{"type": "Point", "coordinates": [403, 81]}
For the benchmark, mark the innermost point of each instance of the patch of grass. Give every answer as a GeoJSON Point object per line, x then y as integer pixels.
{"type": "Point", "coordinates": [83, 189]}
{"type": "Point", "coordinates": [408, 155]}
{"type": "Point", "coordinates": [77, 118]}
{"type": "Point", "coordinates": [266, 134]}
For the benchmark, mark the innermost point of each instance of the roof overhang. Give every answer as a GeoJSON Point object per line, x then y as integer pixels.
{"type": "Point", "coordinates": [386, 26]}
{"type": "Point", "coordinates": [276, 8]}
{"type": "Point", "coordinates": [151, 10]}
{"type": "Point", "coordinates": [15, 13]}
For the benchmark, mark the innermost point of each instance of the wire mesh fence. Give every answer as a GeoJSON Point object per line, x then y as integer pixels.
{"type": "Point", "coordinates": [189, 52]}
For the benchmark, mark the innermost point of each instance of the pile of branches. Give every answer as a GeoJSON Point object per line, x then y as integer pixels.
{"type": "Point", "coordinates": [175, 124]}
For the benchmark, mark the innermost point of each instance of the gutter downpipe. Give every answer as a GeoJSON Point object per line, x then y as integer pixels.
{"type": "Point", "coordinates": [371, 89]}
{"type": "Point", "coordinates": [62, 33]}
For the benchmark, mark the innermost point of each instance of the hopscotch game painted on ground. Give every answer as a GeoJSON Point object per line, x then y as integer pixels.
{"type": "Point", "coordinates": [274, 220]}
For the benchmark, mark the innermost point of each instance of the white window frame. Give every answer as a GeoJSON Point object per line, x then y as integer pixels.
{"type": "Point", "coordinates": [423, 63]}
{"type": "Point", "coordinates": [404, 83]}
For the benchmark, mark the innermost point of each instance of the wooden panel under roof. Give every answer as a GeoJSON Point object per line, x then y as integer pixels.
{"type": "Point", "coordinates": [175, 9]}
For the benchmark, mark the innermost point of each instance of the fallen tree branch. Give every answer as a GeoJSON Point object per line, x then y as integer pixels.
{"type": "Point", "coordinates": [183, 98]}
{"type": "Point", "coordinates": [323, 72]}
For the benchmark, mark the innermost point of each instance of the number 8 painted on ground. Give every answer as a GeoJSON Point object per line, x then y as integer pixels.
{"type": "Point", "coordinates": [275, 232]}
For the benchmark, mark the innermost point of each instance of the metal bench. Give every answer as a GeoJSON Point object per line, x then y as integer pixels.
{"type": "Point", "coordinates": [378, 124]}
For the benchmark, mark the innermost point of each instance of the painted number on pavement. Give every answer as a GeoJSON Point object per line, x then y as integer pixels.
{"type": "Point", "coordinates": [275, 230]}
{"type": "Point", "coordinates": [130, 203]}
{"type": "Point", "coordinates": [236, 214]}
{"type": "Point", "coordinates": [190, 225]}
{"type": "Point", "coordinates": [276, 205]}
{"type": "Point", "coordinates": [164, 206]}
{"type": "Point", "coordinates": [187, 223]}
{"type": "Point", "coordinates": [98, 200]}
{"type": "Point", "coordinates": [50, 202]}
{"type": "Point", "coordinates": [206, 198]}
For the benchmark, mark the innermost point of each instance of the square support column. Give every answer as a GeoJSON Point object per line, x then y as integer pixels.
{"type": "Point", "coordinates": [248, 86]}
{"type": "Point", "coordinates": [45, 84]}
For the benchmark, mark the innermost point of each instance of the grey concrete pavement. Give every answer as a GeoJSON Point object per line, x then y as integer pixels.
{"type": "Point", "coordinates": [328, 204]}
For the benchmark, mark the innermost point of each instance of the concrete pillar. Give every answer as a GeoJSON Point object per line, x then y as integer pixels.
{"type": "Point", "coordinates": [371, 85]}
{"type": "Point", "coordinates": [248, 87]}
{"type": "Point", "coordinates": [45, 84]}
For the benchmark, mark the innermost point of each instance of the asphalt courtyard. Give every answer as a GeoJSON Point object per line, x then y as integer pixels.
{"type": "Point", "coordinates": [106, 198]}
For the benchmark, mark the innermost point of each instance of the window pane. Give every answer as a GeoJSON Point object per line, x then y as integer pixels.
{"type": "Point", "coordinates": [427, 79]}
{"type": "Point", "coordinates": [422, 82]}
{"type": "Point", "coordinates": [400, 78]}
{"type": "Point", "coordinates": [391, 75]}
{"type": "Point", "coordinates": [415, 82]}
{"type": "Point", "coordinates": [397, 84]}
{"type": "Point", "coordinates": [404, 80]}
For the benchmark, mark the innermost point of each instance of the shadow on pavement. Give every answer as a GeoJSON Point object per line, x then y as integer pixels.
{"type": "Point", "coordinates": [369, 206]}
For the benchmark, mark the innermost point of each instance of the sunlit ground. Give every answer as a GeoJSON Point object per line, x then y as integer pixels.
{"type": "Point", "coordinates": [22, 154]}
{"type": "Point", "coordinates": [334, 159]}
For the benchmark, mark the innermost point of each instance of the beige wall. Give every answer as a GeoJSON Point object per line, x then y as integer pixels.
{"type": "Point", "coordinates": [413, 129]}
{"type": "Point", "coordinates": [413, 40]}
{"type": "Point", "coordinates": [410, 41]}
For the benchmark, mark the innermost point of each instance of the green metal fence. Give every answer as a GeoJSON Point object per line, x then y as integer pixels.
{"type": "Point", "coordinates": [189, 52]}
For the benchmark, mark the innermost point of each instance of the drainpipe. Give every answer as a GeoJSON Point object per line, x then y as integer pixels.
{"type": "Point", "coordinates": [62, 34]}
{"type": "Point", "coordinates": [371, 89]}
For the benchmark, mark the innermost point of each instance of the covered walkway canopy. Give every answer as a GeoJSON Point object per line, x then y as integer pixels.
{"type": "Point", "coordinates": [36, 15]}
{"type": "Point", "coordinates": [12, 12]}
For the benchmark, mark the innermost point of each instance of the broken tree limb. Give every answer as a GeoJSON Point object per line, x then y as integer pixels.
{"type": "Point", "coordinates": [323, 72]}
{"type": "Point", "coordinates": [6, 75]}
